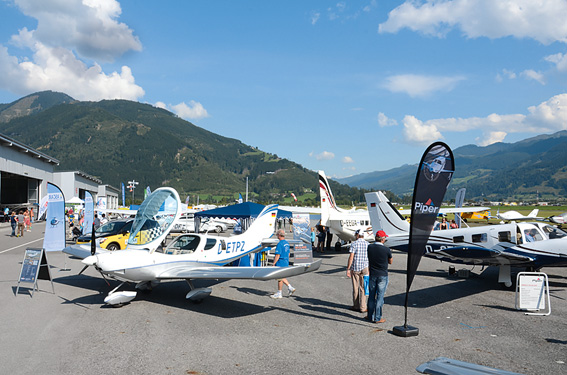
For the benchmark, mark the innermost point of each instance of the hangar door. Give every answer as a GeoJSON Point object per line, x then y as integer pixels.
{"type": "Point", "coordinates": [16, 189]}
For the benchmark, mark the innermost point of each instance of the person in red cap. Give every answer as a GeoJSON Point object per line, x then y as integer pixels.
{"type": "Point", "coordinates": [379, 257]}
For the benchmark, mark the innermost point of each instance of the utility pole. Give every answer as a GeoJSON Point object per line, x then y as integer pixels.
{"type": "Point", "coordinates": [132, 185]}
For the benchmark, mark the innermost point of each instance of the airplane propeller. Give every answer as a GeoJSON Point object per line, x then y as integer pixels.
{"type": "Point", "coordinates": [93, 243]}
{"type": "Point", "coordinates": [93, 249]}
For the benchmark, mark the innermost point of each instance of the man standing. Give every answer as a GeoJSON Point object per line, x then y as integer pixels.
{"type": "Point", "coordinates": [357, 268]}
{"type": "Point", "coordinates": [379, 256]}
{"type": "Point", "coordinates": [282, 260]}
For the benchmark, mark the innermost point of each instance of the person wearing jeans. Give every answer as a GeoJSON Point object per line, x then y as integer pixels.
{"type": "Point", "coordinates": [379, 257]}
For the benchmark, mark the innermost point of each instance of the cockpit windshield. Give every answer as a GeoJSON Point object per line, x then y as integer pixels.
{"type": "Point", "coordinates": [553, 232]}
{"type": "Point", "coordinates": [155, 216]}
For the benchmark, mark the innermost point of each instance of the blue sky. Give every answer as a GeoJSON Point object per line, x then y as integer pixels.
{"type": "Point", "coordinates": [348, 87]}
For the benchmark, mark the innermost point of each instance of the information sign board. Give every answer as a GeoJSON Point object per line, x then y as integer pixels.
{"type": "Point", "coordinates": [34, 267]}
{"type": "Point", "coordinates": [532, 288]}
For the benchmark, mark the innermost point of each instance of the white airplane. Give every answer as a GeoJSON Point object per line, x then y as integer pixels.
{"type": "Point", "coordinates": [558, 219]}
{"type": "Point", "coordinates": [189, 257]}
{"type": "Point", "coordinates": [344, 223]}
{"type": "Point", "coordinates": [516, 216]}
{"type": "Point", "coordinates": [530, 245]}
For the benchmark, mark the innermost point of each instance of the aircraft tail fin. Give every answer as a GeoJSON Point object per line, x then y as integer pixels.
{"type": "Point", "coordinates": [534, 213]}
{"type": "Point", "coordinates": [264, 225]}
{"type": "Point", "coordinates": [328, 204]}
{"type": "Point", "coordinates": [384, 216]}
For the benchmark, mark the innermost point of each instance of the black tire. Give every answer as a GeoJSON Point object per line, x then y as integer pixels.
{"type": "Point", "coordinates": [113, 246]}
{"type": "Point", "coordinates": [218, 229]}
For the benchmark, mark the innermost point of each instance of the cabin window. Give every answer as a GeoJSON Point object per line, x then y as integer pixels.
{"type": "Point", "coordinates": [504, 237]}
{"type": "Point", "coordinates": [183, 245]}
{"type": "Point", "coordinates": [211, 242]}
{"type": "Point", "coordinates": [481, 237]}
{"type": "Point", "coordinates": [457, 239]}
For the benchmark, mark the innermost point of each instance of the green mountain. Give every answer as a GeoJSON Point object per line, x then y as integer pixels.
{"type": "Point", "coordinates": [120, 140]}
{"type": "Point", "coordinates": [31, 104]}
{"type": "Point", "coordinates": [526, 170]}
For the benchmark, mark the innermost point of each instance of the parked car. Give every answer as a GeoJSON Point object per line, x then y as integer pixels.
{"type": "Point", "coordinates": [186, 224]}
{"type": "Point", "coordinates": [110, 236]}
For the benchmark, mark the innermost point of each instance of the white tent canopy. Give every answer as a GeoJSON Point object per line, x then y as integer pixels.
{"type": "Point", "coordinates": [75, 200]}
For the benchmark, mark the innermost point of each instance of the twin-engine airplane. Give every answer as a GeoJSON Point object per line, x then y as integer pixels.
{"type": "Point", "coordinates": [344, 223]}
{"type": "Point", "coordinates": [529, 245]}
{"type": "Point", "coordinates": [191, 256]}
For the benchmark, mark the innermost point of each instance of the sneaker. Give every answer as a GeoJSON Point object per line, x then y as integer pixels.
{"type": "Point", "coordinates": [291, 290]}
{"type": "Point", "coordinates": [277, 295]}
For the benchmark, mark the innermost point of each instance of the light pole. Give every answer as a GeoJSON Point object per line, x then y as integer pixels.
{"type": "Point", "coordinates": [132, 185]}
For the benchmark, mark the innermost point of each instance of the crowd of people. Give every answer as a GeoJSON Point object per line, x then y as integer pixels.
{"type": "Point", "coordinates": [367, 267]}
{"type": "Point", "coordinates": [20, 222]}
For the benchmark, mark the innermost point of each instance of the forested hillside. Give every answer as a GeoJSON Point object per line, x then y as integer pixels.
{"type": "Point", "coordinates": [120, 140]}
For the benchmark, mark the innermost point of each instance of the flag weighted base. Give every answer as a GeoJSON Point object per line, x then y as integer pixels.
{"type": "Point", "coordinates": [405, 331]}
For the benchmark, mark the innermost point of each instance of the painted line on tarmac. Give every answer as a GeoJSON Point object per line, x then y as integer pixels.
{"type": "Point", "coordinates": [25, 244]}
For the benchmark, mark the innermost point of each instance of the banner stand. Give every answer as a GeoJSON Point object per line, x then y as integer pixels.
{"type": "Point", "coordinates": [531, 290]}
{"type": "Point", "coordinates": [34, 267]}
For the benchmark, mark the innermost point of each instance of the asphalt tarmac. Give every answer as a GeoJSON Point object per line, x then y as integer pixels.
{"type": "Point", "coordinates": [239, 329]}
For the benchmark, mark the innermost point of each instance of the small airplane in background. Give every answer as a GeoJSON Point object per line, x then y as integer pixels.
{"type": "Point", "coordinates": [558, 219]}
{"type": "Point", "coordinates": [190, 256]}
{"type": "Point", "coordinates": [516, 216]}
{"type": "Point", "coordinates": [530, 245]}
{"type": "Point", "coordinates": [344, 223]}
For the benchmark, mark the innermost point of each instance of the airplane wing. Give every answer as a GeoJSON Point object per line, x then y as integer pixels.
{"type": "Point", "coordinates": [451, 210]}
{"type": "Point", "coordinates": [258, 273]}
{"type": "Point", "coordinates": [478, 255]}
{"type": "Point", "coordinates": [82, 251]}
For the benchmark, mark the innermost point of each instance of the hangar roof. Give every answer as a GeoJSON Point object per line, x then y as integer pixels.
{"type": "Point", "coordinates": [10, 142]}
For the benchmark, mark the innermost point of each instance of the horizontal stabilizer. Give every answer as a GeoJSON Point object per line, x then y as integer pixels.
{"type": "Point", "coordinates": [258, 273]}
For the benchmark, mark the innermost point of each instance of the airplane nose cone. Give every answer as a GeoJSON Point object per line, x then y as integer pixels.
{"type": "Point", "coordinates": [90, 260]}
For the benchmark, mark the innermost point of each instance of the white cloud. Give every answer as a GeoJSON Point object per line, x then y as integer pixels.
{"type": "Point", "coordinates": [315, 17]}
{"type": "Point", "coordinates": [416, 131]}
{"type": "Point", "coordinates": [58, 69]}
{"type": "Point", "coordinates": [549, 116]}
{"type": "Point", "coordinates": [542, 20]}
{"type": "Point", "coordinates": [532, 74]}
{"type": "Point", "coordinates": [505, 74]}
{"type": "Point", "coordinates": [491, 137]}
{"type": "Point", "coordinates": [348, 160]}
{"type": "Point", "coordinates": [419, 85]}
{"type": "Point", "coordinates": [325, 155]}
{"type": "Point", "coordinates": [67, 29]}
{"type": "Point", "coordinates": [560, 61]}
{"type": "Point", "coordinates": [90, 27]}
{"type": "Point", "coordinates": [383, 120]}
{"type": "Point", "coordinates": [193, 111]}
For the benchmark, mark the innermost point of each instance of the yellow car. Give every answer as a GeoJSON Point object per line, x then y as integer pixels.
{"type": "Point", "coordinates": [112, 235]}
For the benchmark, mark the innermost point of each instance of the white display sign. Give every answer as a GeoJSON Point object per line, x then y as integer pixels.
{"type": "Point", "coordinates": [532, 292]}
{"type": "Point", "coordinates": [532, 289]}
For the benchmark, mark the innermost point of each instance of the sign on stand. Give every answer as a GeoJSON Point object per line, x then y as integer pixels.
{"type": "Point", "coordinates": [532, 288]}
{"type": "Point", "coordinates": [34, 267]}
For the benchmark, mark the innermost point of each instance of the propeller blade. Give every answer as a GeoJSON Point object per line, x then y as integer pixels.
{"type": "Point", "coordinates": [93, 242]}
{"type": "Point", "coordinates": [84, 268]}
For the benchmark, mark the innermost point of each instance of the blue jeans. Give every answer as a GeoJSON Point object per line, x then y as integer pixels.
{"type": "Point", "coordinates": [377, 287]}
{"type": "Point", "coordinates": [14, 225]}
